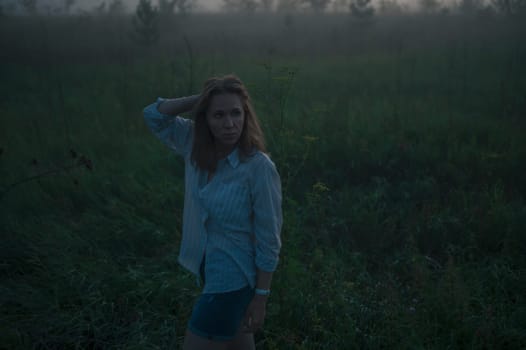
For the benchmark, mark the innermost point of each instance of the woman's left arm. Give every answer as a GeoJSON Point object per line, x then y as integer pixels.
{"type": "Point", "coordinates": [267, 221]}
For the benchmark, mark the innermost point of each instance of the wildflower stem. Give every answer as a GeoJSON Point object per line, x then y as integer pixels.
{"type": "Point", "coordinates": [37, 176]}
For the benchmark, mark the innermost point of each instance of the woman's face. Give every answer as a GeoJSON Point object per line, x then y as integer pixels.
{"type": "Point", "coordinates": [225, 117]}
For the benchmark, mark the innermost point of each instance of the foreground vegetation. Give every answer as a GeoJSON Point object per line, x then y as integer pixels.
{"type": "Point", "coordinates": [400, 146]}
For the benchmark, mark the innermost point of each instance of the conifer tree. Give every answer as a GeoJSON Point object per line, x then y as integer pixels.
{"type": "Point", "coordinates": [146, 24]}
{"type": "Point", "coordinates": [362, 9]}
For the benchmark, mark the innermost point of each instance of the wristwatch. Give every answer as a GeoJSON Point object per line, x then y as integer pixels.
{"type": "Point", "coordinates": [263, 292]}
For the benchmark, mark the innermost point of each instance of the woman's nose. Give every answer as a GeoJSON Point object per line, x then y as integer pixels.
{"type": "Point", "coordinates": [228, 122]}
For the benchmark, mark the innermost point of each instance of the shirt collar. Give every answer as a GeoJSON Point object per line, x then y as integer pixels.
{"type": "Point", "coordinates": [233, 158]}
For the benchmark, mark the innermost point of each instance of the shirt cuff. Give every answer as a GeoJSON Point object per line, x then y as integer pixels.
{"type": "Point", "coordinates": [158, 102]}
{"type": "Point", "coordinates": [267, 264]}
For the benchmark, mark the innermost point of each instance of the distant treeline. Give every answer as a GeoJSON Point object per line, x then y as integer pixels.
{"type": "Point", "coordinates": [128, 37]}
{"type": "Point", "coordinates": [357, 8]}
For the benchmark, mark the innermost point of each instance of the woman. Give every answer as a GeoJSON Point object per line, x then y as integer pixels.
{"type": "Point", "coordinates": [232, 210]}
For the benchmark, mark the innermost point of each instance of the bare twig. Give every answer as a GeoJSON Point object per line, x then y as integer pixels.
{"type": "Point", "coordinates": [82, 161]}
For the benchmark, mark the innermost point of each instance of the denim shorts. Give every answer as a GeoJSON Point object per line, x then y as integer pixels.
{"type": "Point", "coordinates": [218, 316]}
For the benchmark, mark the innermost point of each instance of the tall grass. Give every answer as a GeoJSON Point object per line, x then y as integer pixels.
{"type": "Point", "coordinates": [400, 148]}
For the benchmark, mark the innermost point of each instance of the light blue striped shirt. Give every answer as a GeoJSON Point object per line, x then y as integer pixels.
{"type": "Point", "coordinates": [234, 221]}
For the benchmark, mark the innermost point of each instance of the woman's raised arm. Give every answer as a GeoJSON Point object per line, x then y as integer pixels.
{"type": "Point", "coordinates": [176, 106]}
{"type": "Point", "coordinates": [163, 120]}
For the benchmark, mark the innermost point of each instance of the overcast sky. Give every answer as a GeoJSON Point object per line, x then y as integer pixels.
{"type": "Point", "coordinates": [212, 5]}
{"type": "Point", "coordinates": [200, 5]}
{"type": "Point", "coordinates": [130, 4]}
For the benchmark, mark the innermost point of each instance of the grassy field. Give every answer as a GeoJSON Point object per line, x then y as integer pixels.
{"type": "Point", "coordinates": [401, 148]}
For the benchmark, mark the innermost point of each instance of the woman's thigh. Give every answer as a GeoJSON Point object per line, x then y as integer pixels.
{"type": "Point", "coordinates": [195, 342]}
{"type": "Point", "coordinates": [242, 341]}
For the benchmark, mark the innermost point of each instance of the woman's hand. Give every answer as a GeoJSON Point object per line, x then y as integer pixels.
{"type": "Point", "coordinates": [255, 315]}
{"type": "Point", "coordinates": [176, 106]}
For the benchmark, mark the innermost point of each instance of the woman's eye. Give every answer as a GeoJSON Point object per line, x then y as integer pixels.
{"type": "Point", "coordinates": [236, 112]}
{"type": "Point", "coordinates": [218, 115]}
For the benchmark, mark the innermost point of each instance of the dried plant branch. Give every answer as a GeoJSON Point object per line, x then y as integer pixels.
{"type": "Point", "coordinates": [82, 161]}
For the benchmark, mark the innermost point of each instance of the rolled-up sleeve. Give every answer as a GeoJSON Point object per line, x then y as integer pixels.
{"type": "Point", "coordinates": [267, 215]}
{"type": "Point", "coordinates": [173, 131]}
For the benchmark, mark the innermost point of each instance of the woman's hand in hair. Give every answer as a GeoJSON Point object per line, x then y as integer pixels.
{"type": "Point", "coordinates": [176, 106]}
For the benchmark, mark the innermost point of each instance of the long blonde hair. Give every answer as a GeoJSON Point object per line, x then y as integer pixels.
{"type": "Point", "coordinates": [251, 139]}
